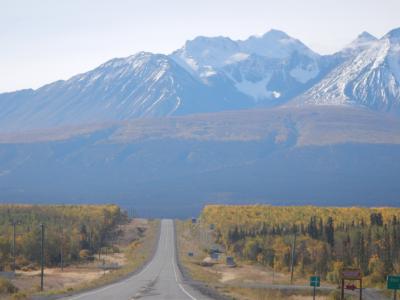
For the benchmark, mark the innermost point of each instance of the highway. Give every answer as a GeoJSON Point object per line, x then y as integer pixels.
{"type": "Point", "coordinates": [160, 279]}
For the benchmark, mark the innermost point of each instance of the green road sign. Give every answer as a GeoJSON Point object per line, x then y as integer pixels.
{"type": "Point", "coordinates": [393, 282]}
{"type": "Point", "coordinates": [315, 281]}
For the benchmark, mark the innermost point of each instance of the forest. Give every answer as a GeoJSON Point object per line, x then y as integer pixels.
{"type": "Point", "coordinates": [71, 233]}
{"type": "Point", "coordinates": [325, 239]}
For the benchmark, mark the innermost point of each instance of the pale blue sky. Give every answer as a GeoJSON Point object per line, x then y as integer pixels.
{"type": "Point", "coordinates": [46, 40]}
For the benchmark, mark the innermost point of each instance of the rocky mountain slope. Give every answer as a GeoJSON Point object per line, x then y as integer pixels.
{"type": "Point", "coordinates": [369, 77]}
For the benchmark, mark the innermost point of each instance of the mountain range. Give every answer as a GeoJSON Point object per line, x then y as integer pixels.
{"type": "Point", "coordinates": [211, 74]}
{"type": "Point", "coordinates": [264, 119]}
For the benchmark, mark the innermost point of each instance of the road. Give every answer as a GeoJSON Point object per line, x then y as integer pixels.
{"type": "Point", "coordinates": [160, 279]}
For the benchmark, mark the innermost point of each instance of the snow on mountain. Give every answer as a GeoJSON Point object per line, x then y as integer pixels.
{"type": "Point", "coordinates": [255, 65]}
{"type": "Point", "coordinates": [369, 78]}
{"type": "Point", "coordinates": [141, 85]}
{"type": "Point", "coordinates": [362, 42]}
{"type": "Point", "coordinates": [204, 52]}
{"type": "Point", "coordinates": [215, 74]}
{"type": "Point", "coordinates": [274, 44]}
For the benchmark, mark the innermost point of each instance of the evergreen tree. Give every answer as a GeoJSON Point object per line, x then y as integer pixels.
{"type": "Point", "coordinates": [330, 232]}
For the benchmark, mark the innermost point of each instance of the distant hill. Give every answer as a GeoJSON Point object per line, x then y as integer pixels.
{"type": "Point", "coordinates": [173, 166]}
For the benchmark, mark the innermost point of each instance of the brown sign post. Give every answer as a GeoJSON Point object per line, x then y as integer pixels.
{"type": "Point", "coordinates": [351, 274]}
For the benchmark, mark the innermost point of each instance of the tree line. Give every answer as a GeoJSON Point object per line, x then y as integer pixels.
{"type": "Point", "coordinates": [71, 231]}
{"type": "Point", "coordinates": [326, 239]}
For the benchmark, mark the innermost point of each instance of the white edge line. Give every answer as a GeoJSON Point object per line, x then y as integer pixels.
{"type": "Point", "coordinates": [180, 285]}
{"type": "Point", "coordinates": [176, 276]}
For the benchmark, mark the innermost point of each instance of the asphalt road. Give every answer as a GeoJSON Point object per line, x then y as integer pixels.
{"type": "Point", "coordinates": [160, 279]}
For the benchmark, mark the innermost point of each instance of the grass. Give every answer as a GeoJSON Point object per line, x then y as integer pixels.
{"type": "Point", "coordinates": [188, 241]}
{"type": "Point", "coordinates": [275, 294]}
{"type": "Point", "coordinates": [137, 254]}
{"type": "Point", "coordinates": [6, 287]}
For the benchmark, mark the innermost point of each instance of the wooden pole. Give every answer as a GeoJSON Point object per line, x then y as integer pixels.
{"type": "Point", "coordinates": [42, 258]}
{"type": "Point", "coordinates": [342, 292]}
{"type": "Point", "coordinates": [62, 249]}
{"type": "Point", "coordinates": [395, 295]}
{"type": "Point", "coordinates": [292, 260]}
{"type": "Point", "coordinates": [273, 270]}
{"type": "Point", "coordinates": [13, 247]}
{"type": "Point", "coordinates": [360, 289]}
{"type": "Point", "coordinates": [314, 293]}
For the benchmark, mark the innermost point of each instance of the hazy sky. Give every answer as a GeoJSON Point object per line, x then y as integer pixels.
{"type": "Point", "coordinates": [46, 40]}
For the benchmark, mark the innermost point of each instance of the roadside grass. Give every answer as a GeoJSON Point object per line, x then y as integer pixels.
{"type": "Point", "coordinates": [189, 241]}
{"type": "Point", "coordinates": [7, 289]}
{"type": "Point", "coordinates": [272, 294]}
{"type": "Point", "coordinates": [137, 254]}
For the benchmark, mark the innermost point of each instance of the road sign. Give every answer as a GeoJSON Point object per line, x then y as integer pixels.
{"type": "Point", "coordinates": [315, 281]}
{"type": "Point", "coordinates": [351, 274]}
{"type": "Point", "coordinates": [393, 282]}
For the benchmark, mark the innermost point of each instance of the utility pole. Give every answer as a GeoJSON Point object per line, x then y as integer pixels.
{"type": "Point", "coordinates": [292, 258]}
{"type": "Point", "coordinates": [273, 270]}
{"type": "Point", "coordinates": [90, 240]}
{"type": "Point", "coordinates": [13, 245]}
{"type": "Point", "coordinates": [62, 249]}
{"type": "Point", "coordinates": [42, 257]}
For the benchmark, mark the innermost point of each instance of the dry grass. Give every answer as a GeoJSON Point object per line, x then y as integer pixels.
{"type": "Point", "coordinates": [135, 249]}
{"type": "Point", "coordinates": [264, 294]}
{"type": "Point", "coordinates": [189, 242]}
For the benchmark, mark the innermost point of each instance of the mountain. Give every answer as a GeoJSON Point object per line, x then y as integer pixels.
{"type": "Point", "coordinates": [215, 52]}
{"type": "Point", "coordinates": [275, 44]}
{"type": "Point", "coordinates": [362, 42]}
{"type": "Point", "coordinates": [369, 77]}
{"type": "Point", "coordinates": [215, 74]}
{"type": "Point", "coordinates": [269, 69]}
{"type": "Point", "coordinates": [264, 119]}
{"type": "Point", "coordinates": [142, 85]}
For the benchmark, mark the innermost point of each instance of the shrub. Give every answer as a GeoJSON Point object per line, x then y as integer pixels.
{"type": "Point", "coordinates": [6, 287]}
{"type": "Point", "coordinates": [19, 296]}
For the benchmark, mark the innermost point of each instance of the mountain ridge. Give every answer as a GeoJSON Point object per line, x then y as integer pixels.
{"type": "Point", "coordinates": [370, 78]}
{"type": "Point", "coordinates": [216, 74]}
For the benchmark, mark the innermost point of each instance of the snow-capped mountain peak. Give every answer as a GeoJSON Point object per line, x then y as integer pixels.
{"type": "Point", "coordinates": [393, 34]}
{"type": "Point", "coordinates": [371, 77]}
{"type": "Point", "coordinates": [216, 74]}
{"type": "Point", "coordinates": [274, 44]}
{"type": "Point", "coordinates": [201, 55]}
{"type": "Point", "coordinates": [362, 42]}
{"type": "Point", "coordinates": [366, 36]}
{"type": "Point", "coordinates": [259, 66]}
